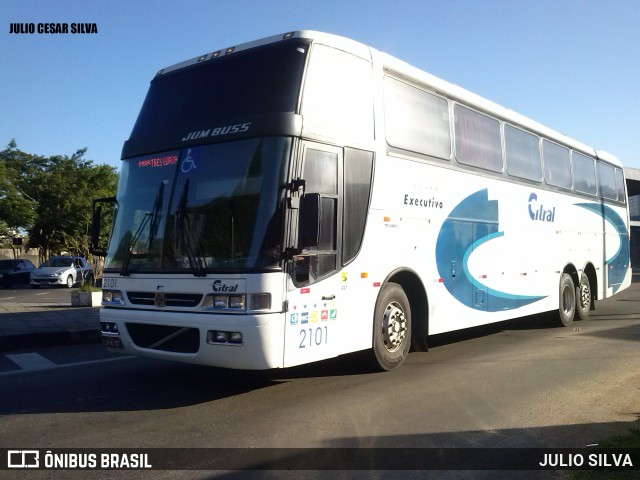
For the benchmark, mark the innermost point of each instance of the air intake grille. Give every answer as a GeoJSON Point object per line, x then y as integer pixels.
{"type": "Point", "coordinates": [163, 337]}
{"type": "Point", "coordinates": [170, 299]}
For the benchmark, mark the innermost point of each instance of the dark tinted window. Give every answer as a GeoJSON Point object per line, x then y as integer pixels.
{"type": "Point", "coordinates": [219, 93]}
{"type": "Point", "coordinates": [358, 166]}
{"type": "Point", "coordinates": [328, 224]}
{"type": "Point", "coordinates": [320, 171]}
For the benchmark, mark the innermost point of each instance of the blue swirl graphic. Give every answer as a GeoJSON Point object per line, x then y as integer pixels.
{"type": "Point", "coordinates": [618, 264]}
{"type": "Point", "coordinates": [471, 223]}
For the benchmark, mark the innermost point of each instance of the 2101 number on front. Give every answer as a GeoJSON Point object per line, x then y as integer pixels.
{"type": "Point", "coordinates": [314, 337]}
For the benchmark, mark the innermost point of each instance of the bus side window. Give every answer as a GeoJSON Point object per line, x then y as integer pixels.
{"type": "Point", "coordinates": [321, 172]}
{"type": "Point", "coordinates": [606, 181]}
{"type": "Point", "coordinates": [523, 153]}
{"type": "Point", "coordinates": [620, 187]}
{"type": "Point", "coordinates": [477, 139]}
{"type": "Point", "coordinates": [557, 165]}
{"type": "Point", "coordinates": [358, 171]}
{"type": "Point", "coordinates": [584, 175]}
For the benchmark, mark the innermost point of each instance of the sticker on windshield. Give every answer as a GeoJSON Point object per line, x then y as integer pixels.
{"type": "Point", "coordinates": [188, 163]}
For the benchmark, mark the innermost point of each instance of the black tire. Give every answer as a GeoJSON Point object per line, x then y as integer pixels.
{"type": "Point", "coordinates": [69, 283]}
{"type": "Point", "coordinates": [583, 298]}
{"type": "Point", "coordinates": [391, 328]}
{"type": "Point", "coordinates": [567, 302]}
{"type": "Point", "coordinates": [35, 286]}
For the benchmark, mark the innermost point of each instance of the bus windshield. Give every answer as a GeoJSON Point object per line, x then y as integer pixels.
{"type": "Point", "coordinates": [204, 209]}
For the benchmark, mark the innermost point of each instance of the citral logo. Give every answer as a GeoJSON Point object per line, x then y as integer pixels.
{"type": "Point", "coordinates": [538, 212]}
{"type": "Point", "coordinates": [220, 287]}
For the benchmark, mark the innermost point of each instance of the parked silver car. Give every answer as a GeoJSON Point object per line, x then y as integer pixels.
{"type": "Point", "coordinates": [62, 271]}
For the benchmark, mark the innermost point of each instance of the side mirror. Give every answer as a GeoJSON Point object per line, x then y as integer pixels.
{"type": "Point", "coordinates": [95, 230]}
{"type": "Point", "coordinates": [310, 213]}
{"type": "Point", "coordinates": [95, 246]}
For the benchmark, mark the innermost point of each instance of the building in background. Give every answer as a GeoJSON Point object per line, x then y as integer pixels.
{"type": "Point", "coordinates": [633, 190]}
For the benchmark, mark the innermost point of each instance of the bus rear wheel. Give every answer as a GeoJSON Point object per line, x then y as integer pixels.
{"type": "Point", "coordinates": [567, 304]}
{"type": "Point", "coordinates": [583, 298]}
{"type": "Point", "coordinates": [391, 328]}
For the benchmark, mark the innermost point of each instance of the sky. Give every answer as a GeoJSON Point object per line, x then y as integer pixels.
{"type": "Point", "coordinates": [572, 65]}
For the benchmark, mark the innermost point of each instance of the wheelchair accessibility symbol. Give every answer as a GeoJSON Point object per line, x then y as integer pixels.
{"type": "Point", "coordinates": [188, 163]}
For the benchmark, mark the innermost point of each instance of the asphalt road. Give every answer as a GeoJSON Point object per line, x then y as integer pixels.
{"type": "Point", "coordinates": [524, 383]}
{"type": "Point", "coordinates": [26, 294]}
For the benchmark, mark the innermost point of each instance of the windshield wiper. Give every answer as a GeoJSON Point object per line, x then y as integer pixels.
{"type": "Point", "coordinates": [152, 216]}
{"type": "Point", "coordinates": [155, 217]}
{"type": "Point", "coordinates": [196, 260]}
{"type": "Point", "coordinates": [125, 264]}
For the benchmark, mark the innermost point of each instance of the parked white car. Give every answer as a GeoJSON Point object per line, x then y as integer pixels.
{"type": "Point", "coordinates": [62, 271]}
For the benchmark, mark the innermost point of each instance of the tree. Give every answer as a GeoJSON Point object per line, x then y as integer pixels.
{"type": "Point", "coordinates": [50, 198]}
{"type": "Point", "coordinates": [17, 207]}
{"type": "Point", "coordinates": [4, 231]}
{"type": "Point", "coordinates": [65, 190]}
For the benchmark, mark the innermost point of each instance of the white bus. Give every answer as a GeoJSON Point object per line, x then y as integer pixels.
{"type": "Point", "coordinates": [305, 196]}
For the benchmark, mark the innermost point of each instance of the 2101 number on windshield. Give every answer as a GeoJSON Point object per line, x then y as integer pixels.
{"type": "Point", "coordinates": [314, 337]}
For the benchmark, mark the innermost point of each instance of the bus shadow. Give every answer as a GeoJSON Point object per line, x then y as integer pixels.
{"type": "Point", "coordinates": [446, 455]}
{"type": "Point", "coordinates": [127, 385]}
{"type": "Point", "coordinates": [141, 384]}
{"type": "Point", "coordinates": [541, 321]}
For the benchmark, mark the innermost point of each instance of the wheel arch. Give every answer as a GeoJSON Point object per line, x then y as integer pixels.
{"type": "Point", "coordinates": [573, 271]}
{"type": "Point", "coordinates": [416, 293]}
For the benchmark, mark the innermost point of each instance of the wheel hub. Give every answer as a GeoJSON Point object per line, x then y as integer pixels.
{"type": "Point", "coordinates": [585, 296]}
{"type": "Point", "coordinates": [394, 327]}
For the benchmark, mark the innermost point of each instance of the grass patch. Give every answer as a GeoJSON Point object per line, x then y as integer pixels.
{"type": "Point", "coordinates": [85, 287]}
{"type": "Point", "coordinates": [631, 439]}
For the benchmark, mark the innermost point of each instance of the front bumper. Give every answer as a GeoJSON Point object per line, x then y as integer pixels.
{"type": "Point", "coordinates": [48, 281]}
{"type": "Point", "coordinates": [190, 337]}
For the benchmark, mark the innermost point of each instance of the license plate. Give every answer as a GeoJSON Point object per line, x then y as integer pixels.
{"type": "Point", "coordinates": [112, 342]}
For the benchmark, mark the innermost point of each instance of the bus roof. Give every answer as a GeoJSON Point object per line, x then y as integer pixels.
{"type": "Point", "coordinates": [412, 74]}
{"type": "Point", "coordinates": [342, 43]}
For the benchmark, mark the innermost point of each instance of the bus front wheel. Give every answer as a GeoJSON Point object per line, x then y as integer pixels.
{"type": "Point", "coordinates": [567, 304]}
{"type": "Point", "coordinates": [391, 327]}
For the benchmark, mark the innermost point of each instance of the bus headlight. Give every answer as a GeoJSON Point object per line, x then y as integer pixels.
{"type": "Point", "coordinates": [235, 337]}
{"type": "Point", "coordinates": [112, 297]}
{"type": "Point", "coordinates": [220, 301]}
{"type": "Point", "coordinates": [260, 301]}
{"type": "Point", "coordinates": [216, 337]}
{"type": "Point", "coordinates": [224, 302]}
{"type": "Point", "coordinates": [236, 301]}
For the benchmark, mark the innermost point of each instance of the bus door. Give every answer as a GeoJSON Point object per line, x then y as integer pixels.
{"type": "Point", "coordinates": [313, 325]}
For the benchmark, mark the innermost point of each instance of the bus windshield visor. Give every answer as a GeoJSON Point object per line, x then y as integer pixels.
{"type": "Point", "coordinates": [204, 209]}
